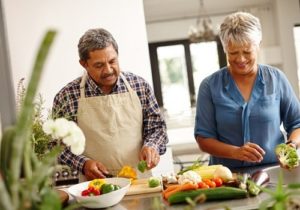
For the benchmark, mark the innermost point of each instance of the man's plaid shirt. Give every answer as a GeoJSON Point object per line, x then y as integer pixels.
{"type": "Point", "coordinates": [154, 128]}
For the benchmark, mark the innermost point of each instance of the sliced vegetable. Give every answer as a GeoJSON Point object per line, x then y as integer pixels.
{"type": "Point", "coordinates": [127, 172]}
{"type": "Point", "coordinates": [142, 166]}
{"type": "Point", "coordinates": [153, 182]}
{"type": "Point", "coordinates": [219, 193]}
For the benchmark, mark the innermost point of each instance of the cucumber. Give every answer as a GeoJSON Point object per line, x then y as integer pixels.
{"type": "Point", "coordinates": [219, 193]}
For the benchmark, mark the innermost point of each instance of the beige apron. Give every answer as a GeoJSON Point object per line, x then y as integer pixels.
{"type": "Point", "coordinates": [112, 125]}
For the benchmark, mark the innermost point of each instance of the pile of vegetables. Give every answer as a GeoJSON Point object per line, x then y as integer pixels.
{"type": "Point", "coordinates": [191, 181]}
{"type": "Point", "coordinates": [191, 185]}
{"type": "Point", "coordinates": [214, 182]}
{"type": "Point", "coordinates": [287, 156]}
{"type": "Point", "coordinates": [99, 187]}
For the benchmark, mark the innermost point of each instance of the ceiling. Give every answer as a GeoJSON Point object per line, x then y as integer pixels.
{"type": "Point", "coordinates": [168, 10]}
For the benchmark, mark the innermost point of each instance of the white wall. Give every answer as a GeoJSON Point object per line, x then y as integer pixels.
{"type": "Point", "coordinates": [288, 14]}
{"type": "Point", "coordinates": [28, 20]}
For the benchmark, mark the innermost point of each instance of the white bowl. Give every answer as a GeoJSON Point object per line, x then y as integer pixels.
{"type": "Point", "coordinates": [100, 201]}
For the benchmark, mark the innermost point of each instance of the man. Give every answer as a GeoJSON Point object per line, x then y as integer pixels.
{"type": "Point", "coordinates": [116, 110]}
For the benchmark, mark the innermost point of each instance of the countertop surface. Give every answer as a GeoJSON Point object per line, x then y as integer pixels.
{"type": "Point", "coordinates": [154, 201]}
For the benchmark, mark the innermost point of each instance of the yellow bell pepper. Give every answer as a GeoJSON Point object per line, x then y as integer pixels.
{"type": "Point", "coordinates": [127, 172]}
{"type": "Point", "coordinates": [97, 183]}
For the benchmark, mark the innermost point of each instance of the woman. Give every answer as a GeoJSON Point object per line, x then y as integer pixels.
{"type": "Point", "coordinates": [240, 107]}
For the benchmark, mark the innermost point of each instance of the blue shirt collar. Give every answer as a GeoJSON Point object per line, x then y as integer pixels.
{"type": "Point", "coordinates": [227, 77]}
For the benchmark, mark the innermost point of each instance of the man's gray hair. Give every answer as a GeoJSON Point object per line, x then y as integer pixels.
{"type": "Point", "coordinates": [95, 39]}
{"type": "Point", "coordinates": [240, 28]}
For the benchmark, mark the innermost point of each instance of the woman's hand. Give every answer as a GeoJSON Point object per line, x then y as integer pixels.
{"type": "Point", "coordinates": [250, 152]}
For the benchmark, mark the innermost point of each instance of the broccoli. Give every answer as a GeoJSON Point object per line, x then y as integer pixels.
{"type": "Point", "coordinates": [287, 156]}
{"type": "Point", "coordinates": [142, 166]}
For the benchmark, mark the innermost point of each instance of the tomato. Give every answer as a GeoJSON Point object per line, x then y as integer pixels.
{"type": "Point", "coordinates": [218, 181]}
{"type": "Point", "coordinates": [90, 191]}
{"type": "Point", "coordinates": [202, 185]}
{"type": "Point", "coordinates": [95, 191]}
{"type": "Point", "coordinates": [85, 192]}
{"type": "Point", "coordinates": [107, 188]}
{"type": "Point", "coordinates": [210, 183]}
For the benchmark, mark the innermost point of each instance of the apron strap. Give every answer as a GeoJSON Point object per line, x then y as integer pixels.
{"type": "Point", "coordinates": [84, 78]}
{"type": "Point", "coordinates": [82, 84]}
{"type": "Point", "coordinates": [126, 82]}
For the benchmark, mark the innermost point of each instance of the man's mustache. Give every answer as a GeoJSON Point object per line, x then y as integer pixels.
{"type": "Point", "coordinates": [107, 75]}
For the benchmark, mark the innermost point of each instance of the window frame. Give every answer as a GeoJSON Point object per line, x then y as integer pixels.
{"type": "Point", "coordinates": [189, 66]}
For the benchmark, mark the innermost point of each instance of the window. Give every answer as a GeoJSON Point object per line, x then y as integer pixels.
{"type": "Point", "coordinates": [297, 47]}
{"type": "Point", "coordinates": [178, 67]}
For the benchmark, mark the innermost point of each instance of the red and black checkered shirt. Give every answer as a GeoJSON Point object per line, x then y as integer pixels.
{"type": "Point", "coordinates": [154, 127]}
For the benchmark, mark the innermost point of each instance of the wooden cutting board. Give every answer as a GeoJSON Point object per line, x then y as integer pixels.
{"type": "Point", "coordinates": [140, 186]}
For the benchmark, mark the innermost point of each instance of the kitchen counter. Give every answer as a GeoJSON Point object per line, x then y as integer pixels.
{"type": "Point", "coordinates": [154, 201]}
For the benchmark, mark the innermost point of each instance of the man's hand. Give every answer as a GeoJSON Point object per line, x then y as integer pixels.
{"type": "Point", "coordinates": [250, 152]}
{"type": "Point", "coordinates": [94, 169]}
{"type": "Point", "coordinates": [150, 155]}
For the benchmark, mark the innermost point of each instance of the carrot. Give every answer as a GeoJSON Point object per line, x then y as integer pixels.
{"type": "Point", "coordinates": [183, 187]}
{"type": "Point", "coordinates": [170, 188]}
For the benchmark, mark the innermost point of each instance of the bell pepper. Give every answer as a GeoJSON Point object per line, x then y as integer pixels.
{"type": "Point", "coordinates": [127, 172]}
{"type": "Point", "coordinates": [97, 183]}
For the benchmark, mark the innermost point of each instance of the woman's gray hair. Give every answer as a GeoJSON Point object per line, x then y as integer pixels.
{"type": "Point", "coordinates": [240, 28]}
{"type": "Point", "coordinates": [95, 39]}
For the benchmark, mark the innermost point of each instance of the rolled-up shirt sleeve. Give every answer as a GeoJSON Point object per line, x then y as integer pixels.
{"type": "Point", "coordinates": [154, 126]}
{"type": "Point", "coordinates": [289, 105]}
{"type": "Point", "coordinates": [75, 161]}
{"type": "Point", "coordinates": [205, 125]}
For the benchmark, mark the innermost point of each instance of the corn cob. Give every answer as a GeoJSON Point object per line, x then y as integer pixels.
{"type": "Point", "coordinates": [206, 172]}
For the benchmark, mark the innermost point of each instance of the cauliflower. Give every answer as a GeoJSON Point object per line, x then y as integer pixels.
{"type": "Point", "coordinates": [189, 177]}
{"type": "Point", "coordinates": [287, 156]}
